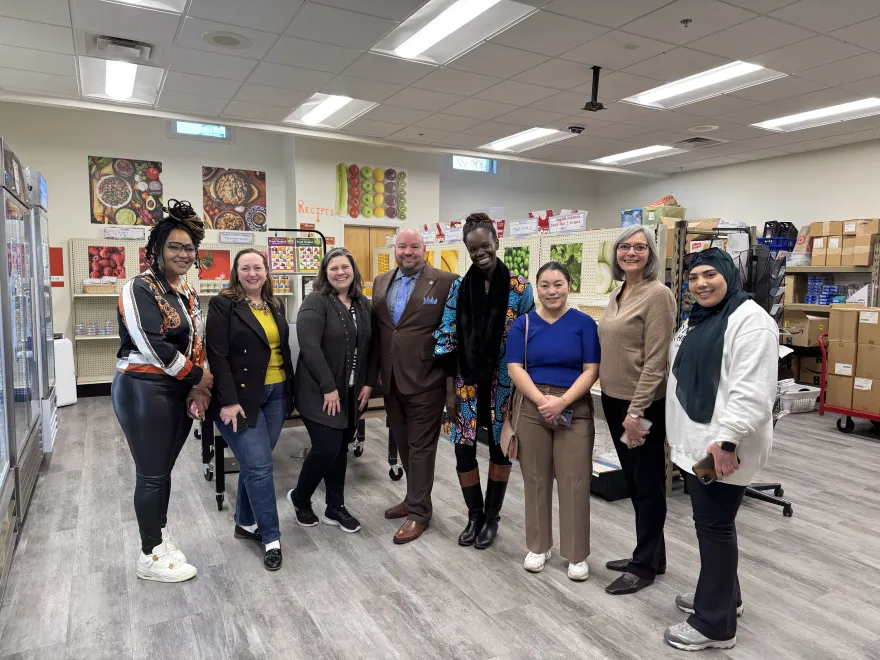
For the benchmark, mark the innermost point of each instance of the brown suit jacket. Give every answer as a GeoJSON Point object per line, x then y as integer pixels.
{"type": "Point", "coordinates": [406, 351]}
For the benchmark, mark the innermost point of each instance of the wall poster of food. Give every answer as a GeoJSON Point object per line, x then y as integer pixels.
{"type": "Point", "coordinates": [605, 282]}
{"type": "Point", "coordinates": [370, 192]}
{"type": "Point", "coordinates": [571, 256]}
{"type": "Point", "coordinates": [234, 200]}
{"type": "Point", "coordinates": [124, 191]}
{"type": "Point", "coordinates": [214, 264]}
{"type": "Point", "coordinates": [449, 261]}
{"type": "Point", "coordinates": [517, 260]}
{"type": "Point", "coordinates": [106, 261]}
{"type": "Point", "coordinates": [142, 260]}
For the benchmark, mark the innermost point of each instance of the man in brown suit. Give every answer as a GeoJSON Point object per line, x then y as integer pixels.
{"type": "Point", "coordinates": [407, 308]}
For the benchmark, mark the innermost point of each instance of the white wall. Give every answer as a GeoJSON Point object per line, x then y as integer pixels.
{"type": "Point", "coordinates": [832, 184]}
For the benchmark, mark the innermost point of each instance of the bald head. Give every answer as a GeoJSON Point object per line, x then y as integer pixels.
{"type": "Point", "coordinates": [409, 251]}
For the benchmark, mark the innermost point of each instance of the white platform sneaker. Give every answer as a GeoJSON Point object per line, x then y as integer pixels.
{"type": "Point", "coordinates": [162, 566]}
{"type": "Point", "coordinates": [579, 572]}
{"type": "Point", "coordinates": [173, 550]}
{"type": "Point", "coordinates": [534, 562]}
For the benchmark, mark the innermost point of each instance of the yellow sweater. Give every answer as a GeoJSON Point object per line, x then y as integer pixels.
{"type": "Point", "coordinates": [275, 370]}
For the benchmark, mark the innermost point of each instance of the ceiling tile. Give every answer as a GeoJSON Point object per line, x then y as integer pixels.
{"type": "Point", "coordinates": [312, 55]}
{"type": "Point", "coordinates": [861, 34]}
{"type": "Point", "coordinates": [40, 61]}
{"type": "Point", "coordinates": [596, 147]}
{"type": "Point", "coordinates": [447, 122]}
{"type": "Point", "coordinates": [202, 63]}
{"type": "Point", "coordinates": [372, 128]}
{"type": "Point", "coordinates": [676, 64]}
{"type": "Point", "coordinates": [451, 81]}
{"type": "Point", "coordinates": [606, 12]}
{"type": "Point", "coordinates": [421, 99]}
{"type": "Point", "coordinates": [340, 27]}
{"type": "Point", "coordinates": [268, 15]}
{"type": "Point", "coordinates": [285, 98]}
{"type": "Point", "coordinates": [592, 126]}
{"type": "Point", "coordinates": [193, 29]}
{"type": "Point", "coordinates": [188, 83]}
{"type": "Point", "coordinates": [616, 85]}
{"type": "Point", "coordinates": [477, 109]}
{"type": "Point", "coordinates": [548, 34]}
{"type": "Point", "coordinates": [394, 9]}
{"type": "Point", "coordinates": [388, 69]}
{"type": "Point", "coordinates": [38, 36]}
{"type": "Point", "coordinates": [561, 74]}
{"type": "Point", "coordinates": [806, 54]}
{"type": "Point", "coordinates": [761, 6]}
{"type": "Point", "coordinates": [121, 20]}
{"type": "Point", "coordinates": [393, 114]}
{"type": "Point", "coordinates": [812, 101]}
{"type": "Point", "coordinates": [759, 154]}
{"type": "Point", "coordinates": [616, 50]}
{"type": "Point", "coordinates": [203, 105]}
{"type": "Point", "coordinates": [717, 105]}
{"type": "Point", "coordinates": [462, 141]}
{"type": "Point", "coordinates": [741, 133]}
{"type": "Point", "coordinates": [555, 152]}
{"type": "Point", "coordinates": [564, 102]}
{"type": "Point", "coordinates": [751, 38]}
{"type": "Point", "coordinates": [619, 131]}
{"type": "Point", "coordinates": [529, 117]}
{"type": "Point", "coordinates": [708, 16]}
{"type": "Point", "coordinates": [845, 71]}
{"type": "Point", "coordinates": [45, 83]}
{"type": "Point", "coordinates": [56, 12]}
{"type": "Point", "coordinates": [867, 87]}
{"type": "Point", "coordinates": [664, 119]}
{"type": "Point", "coordinates": [419, 134]}
{"type": "Point", "coordinates": [289, 77]}
{"type": "Point", "coordinates": [751, 115]}
{"type": "Point", "coordinates": [825, 16]}
{"type": "Point", "coordinates": [775, 90]}
{"type": "Point", "coordinates": [516, 93]}
{"type": "Point", "coordinates": [358, 88]}
{"type": "Point", "coordinates": [257, 111]}
{"type": "Point", "coordinates": [494, 130]}
{"type": "Point", "coordinates": [496, 60]}
{"type": "Point", "coordinates": [616, 112]}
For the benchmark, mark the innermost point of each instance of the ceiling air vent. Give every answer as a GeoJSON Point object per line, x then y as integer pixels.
{"type": "Point", "coordinates": [697, 143]}
{"type": "Point", "coordinates": [116, 48]}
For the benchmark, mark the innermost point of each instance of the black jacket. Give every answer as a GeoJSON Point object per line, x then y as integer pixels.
{"type": "Point", "coordinates": [238, 355]}
{"type": "Point", "coordinates": [327, 337]}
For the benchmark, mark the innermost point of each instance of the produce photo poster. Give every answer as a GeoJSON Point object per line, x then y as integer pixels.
{"type": "Point", "coordinates": [142, 260]}
{"type": "Point", "coordinates": [124, 191]}
{"type": "Point", "coordinates": [517, 260]}
{"type": "Point", "coordinates": [234, 200]}
{"type": "Point", "coordinates": [571, 256]}
{"type": "Point", "coordinates": [214, 265]}
{"type": "Point", "coordinates": [604, 281]}
{"type": "Point", "coordinates": [363, 191]}
{"type": "Point", "coordinates": [106, 261]}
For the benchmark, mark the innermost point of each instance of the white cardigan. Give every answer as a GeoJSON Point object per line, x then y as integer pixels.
{"type": "Point", "coordinates": [744, 403]}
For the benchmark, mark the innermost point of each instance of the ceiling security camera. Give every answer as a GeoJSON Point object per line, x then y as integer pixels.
{"type": "Point", "coordinates": [577, 129]}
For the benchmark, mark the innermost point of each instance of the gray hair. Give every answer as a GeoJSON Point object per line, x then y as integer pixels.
{"type": "Point", "coordinates": [652, 268]}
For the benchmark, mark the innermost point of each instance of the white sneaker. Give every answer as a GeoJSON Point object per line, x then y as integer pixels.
{"type": "Point", "coordinates": [579, 572]}
{"type": "Point", "coordinates": [173, 550]}
{"type": "Point", "coordinates": [534, 563]}
{"type": "Point", "coordinates": [162, 567]}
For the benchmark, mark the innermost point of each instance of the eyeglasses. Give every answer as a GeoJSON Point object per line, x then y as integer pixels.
{"type": "Point", "coordinates": [176, 248]}
{"type": "Point", "coordinates": [708, 252]}
{"type": "Point", "coordinates": [640, 248]}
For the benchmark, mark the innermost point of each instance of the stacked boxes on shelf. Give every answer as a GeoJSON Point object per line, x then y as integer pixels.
{"type": "Point", "coordinates": [815, 286]}
{"type": "Point", "coordinates": [844, 242]}
{"type": "Point", "coordinates": [853, 377]}
{"type": "Point", "coordinates": [866, 386]}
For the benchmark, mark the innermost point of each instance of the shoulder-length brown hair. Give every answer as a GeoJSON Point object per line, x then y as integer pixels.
{"type": "Point", "coordinates": [322, 283]}
{"type": "Point", "coordinates": [236, 291]}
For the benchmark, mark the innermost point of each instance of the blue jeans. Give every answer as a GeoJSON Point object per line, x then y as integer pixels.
{"type": "Point", "coordinates": [252, 446]}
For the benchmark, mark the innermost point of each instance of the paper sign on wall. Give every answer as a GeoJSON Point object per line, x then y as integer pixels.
{"type": "Point", "coordinates": [429, 236]}
{"type": "Point", "coordinates": [570, 222]}
{"type": "Point", "coordinates": [237, 237]}
{"type": "Point", "coordinates": [454, 235]}
{"type": "Point", "coordinates": [523, 227]}
{"type": "Point", "coordinates": [126, 233]}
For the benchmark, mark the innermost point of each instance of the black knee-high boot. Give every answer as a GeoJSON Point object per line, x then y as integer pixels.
{"type": "Point", "coordinates": [495, 490]}
{"type": "Point", "coordinates": [473, 498]}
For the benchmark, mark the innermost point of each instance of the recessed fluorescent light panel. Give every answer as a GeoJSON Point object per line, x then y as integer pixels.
{"type": "Point", "coordinates": [443, 29]}
{"type": "Point", "coordinates": [329, 111]}
{"type": "Point", "coordinates": [714, 82]}
{"type": "Point", "coordinates": [525, 140]}
{"type": "Point", "coordinates": [166, 5]}
{"type": "Point", "coordinates": [639, 155]}
{"type": "Point", "coordinates": [115, 80]}
{"type": "Point", "coordinates": [823, 116]}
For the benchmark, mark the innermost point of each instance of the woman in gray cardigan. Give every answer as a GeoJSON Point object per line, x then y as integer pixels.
{"type": "Point", "coordinates": [337, 363]}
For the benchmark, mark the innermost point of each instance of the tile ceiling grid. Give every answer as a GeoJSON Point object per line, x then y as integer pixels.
{"type": "Point", "coordinates": [535, 73]}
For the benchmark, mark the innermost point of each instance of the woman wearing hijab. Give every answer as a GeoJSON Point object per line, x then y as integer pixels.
{"type": "Point", "coordinates": [719, 402]}
{"type": "Point", "coordinates": [480, 310]}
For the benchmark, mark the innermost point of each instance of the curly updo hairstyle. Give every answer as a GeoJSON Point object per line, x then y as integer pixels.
{"type": "Point", "coordinates": [178, 215]}
{"type": "Point", "coordinates": [478, 221]}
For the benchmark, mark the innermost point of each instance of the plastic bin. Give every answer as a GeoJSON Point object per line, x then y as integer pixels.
{"type": "Point", "coordinates": [802, 400]}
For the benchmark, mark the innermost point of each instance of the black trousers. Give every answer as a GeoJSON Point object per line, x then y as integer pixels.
{"type": "Point", "coordinates": [327, 460]}
{"type": "Point", "coordinates": [644, 469]}
{"type": "Point", "coordinates": [152, 414]}
{"type": "Point", "coordinates": [718, 595]}
{"type": "Point", "coordinates": [466, 455]}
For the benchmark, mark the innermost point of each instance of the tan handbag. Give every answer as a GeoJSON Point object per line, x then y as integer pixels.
{"type": "Point", "coordinates": [509, 440]}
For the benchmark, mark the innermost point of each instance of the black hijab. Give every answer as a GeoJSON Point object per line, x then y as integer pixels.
{"type": "Point", "coordinates": [697, 366]}
{"type": "Point", "coordinates": [479, 322]}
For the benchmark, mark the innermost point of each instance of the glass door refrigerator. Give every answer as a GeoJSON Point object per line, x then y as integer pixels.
{"type": "Point", "coordinates": [38, 233]}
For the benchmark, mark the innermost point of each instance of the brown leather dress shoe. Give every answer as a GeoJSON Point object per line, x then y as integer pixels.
{"type": "Point", "coordinates": [397, 511]}
{"type": "Point", "coordinates": [409, 531]}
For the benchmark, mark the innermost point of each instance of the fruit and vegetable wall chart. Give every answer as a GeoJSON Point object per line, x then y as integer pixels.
{"type": "Point", "coordinates": [125, 191]}
{"type": "Point", "coordinates": [234, 200]}
{"type": "Point", "coordinates": [364, 191]}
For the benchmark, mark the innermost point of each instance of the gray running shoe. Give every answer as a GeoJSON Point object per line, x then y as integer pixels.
{"type": "Point", "coordinates": [685, 602]}
{"type": "Point", "coordinates": [683, 636]}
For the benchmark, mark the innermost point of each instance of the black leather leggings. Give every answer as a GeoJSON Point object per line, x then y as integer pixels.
{"type": "Point", "coordinates": [152, 414]}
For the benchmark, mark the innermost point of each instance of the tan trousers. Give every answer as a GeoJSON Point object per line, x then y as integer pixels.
{"type": "Point", "coordinates": [565, 452]}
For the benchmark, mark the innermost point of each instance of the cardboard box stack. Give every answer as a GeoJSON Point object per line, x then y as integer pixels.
{"type": "Point", "coordinates": [843, 335]}
{"type": "Point", "coordinates": [800, 329]}
{"type": "Point", "coordinates": [844, 242]}
{"type": "Point", "coordinates": [866, 386]}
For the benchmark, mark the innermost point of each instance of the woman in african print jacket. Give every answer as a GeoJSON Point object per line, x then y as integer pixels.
{"type": "Point", "coordinates": [479, 312]}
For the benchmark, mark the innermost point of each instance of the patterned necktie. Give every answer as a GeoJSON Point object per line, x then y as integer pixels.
{"type": "Point", "coordinates": [400, 303]}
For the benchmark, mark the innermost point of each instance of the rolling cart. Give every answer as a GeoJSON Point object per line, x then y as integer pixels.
{"type": "Point", "coordinates": [845, 423]}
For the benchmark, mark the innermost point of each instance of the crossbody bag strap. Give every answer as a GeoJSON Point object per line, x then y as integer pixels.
{"type": "Point", "coordinates": [525, 366]}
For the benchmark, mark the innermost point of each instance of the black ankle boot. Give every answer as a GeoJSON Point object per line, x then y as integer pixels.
{"type": "Point", "coordinates": [473, 498]}
{"type": "Point", "coordinates": [495, 491]}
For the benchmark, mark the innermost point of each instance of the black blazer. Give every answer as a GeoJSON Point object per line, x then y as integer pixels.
{"type": "Point", "coordinates": [238, 356]}
{"type": "Point", "coordinates": [327, 339]}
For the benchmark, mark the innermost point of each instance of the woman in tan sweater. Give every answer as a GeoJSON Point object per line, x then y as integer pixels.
{"type": "Point", "coordinates": [634, 333]}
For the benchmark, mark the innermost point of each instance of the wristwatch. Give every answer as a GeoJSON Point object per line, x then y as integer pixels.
{"type": "Point", "coordinates": [634, 416]}
{"type": "Point", "coordinates": [728, 446]}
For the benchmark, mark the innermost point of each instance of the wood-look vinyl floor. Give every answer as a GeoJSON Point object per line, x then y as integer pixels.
{"type": "Point", "coordinates": [810, 583]}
